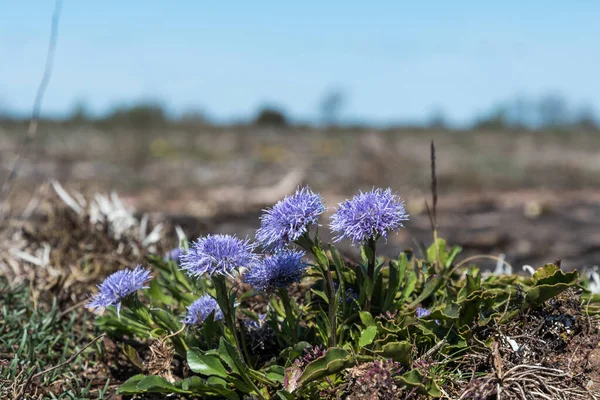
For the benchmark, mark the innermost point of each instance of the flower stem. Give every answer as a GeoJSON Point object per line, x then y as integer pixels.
{"type": "Point", "coordinates": [226, 307]}
{"type": "Point", "coordinates": [320, 256]}
{"type": "Point", "coordinates": [289, 314]}
{"type": "Point", "coordinates": [372, 244]}
{"type": "Point", "coordinates": [332, 317]}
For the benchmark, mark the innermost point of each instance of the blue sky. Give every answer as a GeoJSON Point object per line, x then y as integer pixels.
{"type": "Point", "coordinates": [394, 60]}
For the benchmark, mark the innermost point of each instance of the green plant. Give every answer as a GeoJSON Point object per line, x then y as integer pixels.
{"type": "Point", "coordinates": [369, 315]}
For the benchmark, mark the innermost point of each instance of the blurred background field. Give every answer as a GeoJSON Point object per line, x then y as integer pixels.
{"type": "Point", "coordinates": [531, 194]}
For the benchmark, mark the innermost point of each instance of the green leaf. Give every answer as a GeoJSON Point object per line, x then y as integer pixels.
{"type": "Point", "coordinates": [205, 365]}
{"type": "Point", "coordinates": [367, 318]}
{"type": "Point", "coordinates": [158, 384]}
{"type": "Point", "coordinates": [165, 320]}
{"type": "Point", "coordinates": [216, 381]}
{"type": "Point", "coordinates": [397, 272]}
{"type": "Point", "coordinates": [434, 249]}
{"type": "Point", "coordinates": [130, 385]}
{"type": "Point", "coordinates": [431, 286]}
{"type": "Point", "coordinates": [321, 294]}
{"type": "Point", "coordinates": [337, 258]}
{"type": "Point", "coordinates": [338, 263]}
{"type": "Point", "coordinates": [412, 378]}
{"type": "Point", "coordinates": [365, 253]}
{"type": "Point", "coordinates": [367, 336]}
{"type": "Point", "coordinates": [452, 255]}
{"type": "Point", "coordinates": [321, 257]}
{"type": "Point", "coordinates": [276, 373]}
{"type": "Point", "coordinates": [450, 311]}
{"type": "Point", "coordinates": [198, 386]}
{"type": "Point", "coordinates": [285, 395]}
{"type": "Point", "coordinates": [334, 361]}
{"type": "Point", "coordinates": [156, 293]}
{"type": "Point", "coordinates": [409, 287]}
{"type": "Point", "coordinates": [397, 351]}
{"type": "Point", "coordinates": [133, 356]}
{"type": "Point", "coordinates": [230, 355]}
{"type": "Point", "coordinates": [549, 284]}
{"type": "Point", "coordinates": [233, 359]}
{"type": "Point", "coordinates": [545, 272]}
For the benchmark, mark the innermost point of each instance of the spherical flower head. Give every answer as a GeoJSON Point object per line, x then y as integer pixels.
{"type": "Point", "coordinates": [200, 309]}
{"type": "Point", "coordinates": [217, 255]}
{"type": "Point", "coordinates": [118, 286]}
{"type": "Point", "coordinates": [368, 215]}
{"type": "Point", "coordinates": [174, 255]}
{"type": "Point", "coordinates": [289, 219]}
{"type": "Point", "coordinates": [279, 270]}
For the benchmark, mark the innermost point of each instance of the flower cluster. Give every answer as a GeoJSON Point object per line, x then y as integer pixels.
{"type": "Point", "coordinates": [289, 219]}
{"type": "Point", "coordinates": [217, 255]}
{"type": "Point", "coordinates": [368, 215]}
{"type": "Point", "coordinates": [199, 310]}
{"type": "Point", "coordinates": [279, 270]}
{"type": "Point", "coordinates": [118, 286]}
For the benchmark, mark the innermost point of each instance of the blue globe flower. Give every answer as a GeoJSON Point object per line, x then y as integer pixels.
{"type": "Point", "coordinates": [118, 286]}
{"type": "Point", "coordinates": [174, 255]}
{"type": "Point", "coordinates": [199, 310]}
{"type": "Point", "coordinates": [289, 219]}
{"type": "Point", "coordinates": [279, 270]}
{"type": "Point", "coordinates": [217, 255]}
{"type": "Point", "coordinates": [368, 215]}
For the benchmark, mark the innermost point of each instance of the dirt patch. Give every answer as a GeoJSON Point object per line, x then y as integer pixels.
{"type": "Point", "coordinates": [552, 350]}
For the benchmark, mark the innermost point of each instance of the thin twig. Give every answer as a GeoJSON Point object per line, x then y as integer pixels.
{"type": "Point", "coordinates": [37, 105]}
{"type": "Point", "coordinates": [434, 192]}
{"type": "Point", "coordinates": [173, 334]}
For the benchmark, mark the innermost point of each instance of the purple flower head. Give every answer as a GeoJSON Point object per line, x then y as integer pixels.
{"type": "Point", "coordinates": [279, 270]}
{"type": "Point", "coordinates": [368, 215]}
{"type": "Point", "coordinates": [118, 286]}
{"type": "Point", "coordinates": [174, 255]}
{"type": "Point", "coordinates": [289, 219]}
{"type": "Point", "coordinates": [200, 309]}
{"type": "Point", "coordinates": [422, 312]}
{"type": "Point", "coordinates": [217, 254]}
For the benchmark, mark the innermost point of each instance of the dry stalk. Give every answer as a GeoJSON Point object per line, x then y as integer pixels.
{"type": "Point", "coordinates": [35, 114]}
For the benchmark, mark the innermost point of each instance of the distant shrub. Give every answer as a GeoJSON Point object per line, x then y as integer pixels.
{"type": "Point", "coordinates": [142, 115]}
{"type": "Point", "coordinates": [193, 117]}
{"type": "Point", "coordinates": [271, 117]}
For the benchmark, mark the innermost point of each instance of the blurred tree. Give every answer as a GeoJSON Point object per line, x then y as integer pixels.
{"type": "Point", "coordinates": [193, 117]}
{"type": "Point", "coordinates": [331, 106]}
{"type": "Point", "coordinates": [437, 119]}
{"type": "Point", "coordinates": [80, 112]}
{"type": "Point", "coordinates": [142, 115]}
{"type": "Point", "coordinates": [496, 120]}
{"type": "Point", "coordinates": [553, 111]}
{"type": "Point", "coordinates": [270, 116]}
{"type": "Point", "coordinates": [586, 118]}
{"type": "Point", "coordinates": [520, 113]}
